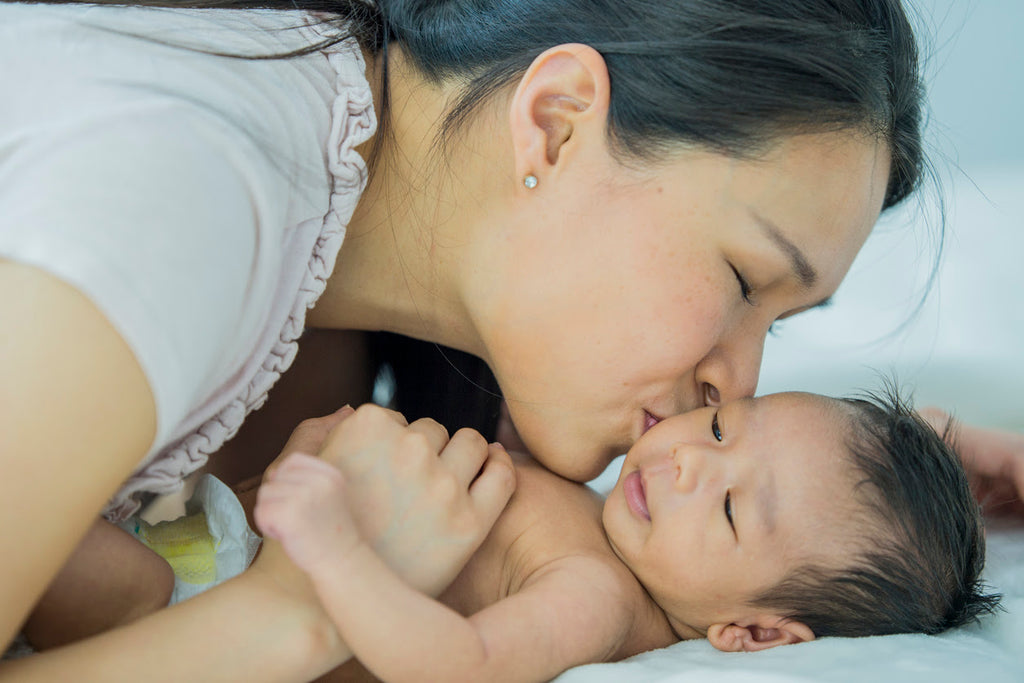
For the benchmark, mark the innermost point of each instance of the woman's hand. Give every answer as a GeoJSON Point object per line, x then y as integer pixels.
{"type": "Point", "coordinates": [994, 460]}
{"type": "Point", "coordinates": [423, 501]}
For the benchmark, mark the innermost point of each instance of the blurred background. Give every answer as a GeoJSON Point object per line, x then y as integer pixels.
{"type": "Point", "coordinates": [961, 347]}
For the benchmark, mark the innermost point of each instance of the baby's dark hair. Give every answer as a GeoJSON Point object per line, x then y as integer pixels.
{"type": "Point", "coordinates": [920, 569]}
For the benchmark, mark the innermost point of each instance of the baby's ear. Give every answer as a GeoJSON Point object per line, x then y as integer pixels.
{"type": "Point", "coordinates": [759, 633]}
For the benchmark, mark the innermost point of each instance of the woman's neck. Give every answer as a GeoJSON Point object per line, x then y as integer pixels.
{"type": "Point", "coordinates": [403, 265]}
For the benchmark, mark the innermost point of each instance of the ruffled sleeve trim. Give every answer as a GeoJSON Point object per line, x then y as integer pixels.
{"type": "Point", "coordinates": [353, 121]}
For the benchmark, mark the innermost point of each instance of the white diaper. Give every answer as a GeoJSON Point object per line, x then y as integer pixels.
{"type": "Point", "coordinates": [232, 544]}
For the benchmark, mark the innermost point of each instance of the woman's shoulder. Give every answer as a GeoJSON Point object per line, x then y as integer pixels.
{"type": "Point", "coordinates": [194, 26]}
{"type": "Point", "coordinates": [70, 72]}
{"type": "Point", "coordinates": [72, 62]}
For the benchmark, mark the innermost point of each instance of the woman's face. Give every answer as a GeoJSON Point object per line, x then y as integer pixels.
{"type": "Point", "coordinates": [627, 296]}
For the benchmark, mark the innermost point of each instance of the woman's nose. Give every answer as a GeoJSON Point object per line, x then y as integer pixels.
{"type": "Point", "coordinates": [730, 370]}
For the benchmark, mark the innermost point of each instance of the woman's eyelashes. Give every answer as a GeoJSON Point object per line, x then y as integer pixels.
{"type": "Point", "coordinates": [746, 291]}
{"type": "Point", "coordinates": [715, 430]}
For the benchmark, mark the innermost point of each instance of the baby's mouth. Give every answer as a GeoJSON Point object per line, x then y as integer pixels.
{"type": "Point", "coordinates": [636, 495]}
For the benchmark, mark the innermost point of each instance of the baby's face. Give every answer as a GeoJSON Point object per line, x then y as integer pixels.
{"type": "Point", "coordinates": [716, 505]}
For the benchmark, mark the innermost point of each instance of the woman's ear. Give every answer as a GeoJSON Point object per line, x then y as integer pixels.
{"type": "Point", "coordinates": [761, 633]}
{"type": "Point", "coordinates": [561, 99]}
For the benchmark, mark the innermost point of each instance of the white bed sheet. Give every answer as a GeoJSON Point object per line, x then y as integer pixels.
{"type": "Point", "coordinates": [991, 651]}
{"type": "Point", "coordinates": [964, 351]}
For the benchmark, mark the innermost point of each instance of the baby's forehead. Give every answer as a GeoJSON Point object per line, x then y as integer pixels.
{"type": "Point", "coordinates": [835, 537]}
{"type": "Point", "coordinates": [824, 510]}
{"type": "Point", "coordinates": [802, 401]}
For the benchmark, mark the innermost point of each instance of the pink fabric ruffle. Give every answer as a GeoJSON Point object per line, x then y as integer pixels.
{"type": "Point", "coordinates": [353, 122]}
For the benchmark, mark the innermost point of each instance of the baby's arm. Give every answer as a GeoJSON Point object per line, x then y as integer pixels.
{"type": "Point", "coordinates": [110, 580]}
{"type": "Point", "coordinates": [566, 615]}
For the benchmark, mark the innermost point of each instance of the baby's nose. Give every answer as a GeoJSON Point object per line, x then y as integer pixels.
{"type": "Point", "coordinates": [691, 463]}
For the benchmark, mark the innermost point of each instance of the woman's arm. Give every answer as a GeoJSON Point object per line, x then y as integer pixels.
{"type": "Point", "coordinates": [76, 415]}
{"type": "Point", "coordinates": [111, 579]}
{"type": "Point", "coordinates": [75, 419]}
{"type": "Point", "coordinates": [255, 627]}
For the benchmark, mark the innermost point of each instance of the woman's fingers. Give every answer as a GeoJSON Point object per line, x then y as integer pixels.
{"type": "Point", "coordinates": [433, 431]}
{"type": "Point", "coordinates": [491, 490]}
{"type": "Point", "coordinates": [464, 455]}
{"type": "Point", "coordinates": [309, 436]}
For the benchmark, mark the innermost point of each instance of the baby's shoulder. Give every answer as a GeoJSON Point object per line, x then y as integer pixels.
{"type": "Point", "coordinates": [550, 510]}
{"type": "Point", "coordinates": [552, 522]}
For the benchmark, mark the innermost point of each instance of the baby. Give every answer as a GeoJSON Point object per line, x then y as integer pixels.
{"type": "Point", "coordinates": [767, 521]}
{"type": "Point", "coordinates": [764, 522]}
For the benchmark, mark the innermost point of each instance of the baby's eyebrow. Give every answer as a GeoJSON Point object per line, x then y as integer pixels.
{"type": "Point", "coordinates": [767, 502]}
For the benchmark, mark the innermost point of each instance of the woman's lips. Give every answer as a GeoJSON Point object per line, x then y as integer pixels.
{"type": "Point", "coordinates": [636, 497]}
{"type": "Point", "coordinates": [650, 421]}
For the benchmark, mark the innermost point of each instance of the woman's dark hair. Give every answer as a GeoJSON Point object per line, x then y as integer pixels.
{"type": "Point", "coordinates": [924, 545]}
{"type": "Point", "coordinates": [423, 379]}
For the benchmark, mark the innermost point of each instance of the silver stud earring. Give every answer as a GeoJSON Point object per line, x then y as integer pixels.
{"type": "Point", "coordinates": [530, 181]}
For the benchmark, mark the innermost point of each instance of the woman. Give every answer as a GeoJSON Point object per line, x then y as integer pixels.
{"type": "Point", "coordinates": [609, 203]}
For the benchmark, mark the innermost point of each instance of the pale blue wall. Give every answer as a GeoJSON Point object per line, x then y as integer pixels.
{"type": "Point", "coordinates": [977, 77]}
{"type": "Point", "coordinates": [965, 349]}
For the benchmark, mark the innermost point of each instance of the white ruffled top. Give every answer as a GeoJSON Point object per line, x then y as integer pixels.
{"type": "Point", "coordinates": [199, 201]}
{"type": "Point", "coordinates": [353, 122]}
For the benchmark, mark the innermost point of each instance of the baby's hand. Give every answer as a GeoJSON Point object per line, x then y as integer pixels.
{"type": "Point", "coordinates": [302, 504]}
{"type": "Point", "coordinates": [423, 501]}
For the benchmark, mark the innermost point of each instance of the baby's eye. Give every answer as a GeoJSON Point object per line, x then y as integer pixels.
{"type": "Point", "coordinates": [728, 510]}
{"type": "Point", "coordinates": [715, 431]}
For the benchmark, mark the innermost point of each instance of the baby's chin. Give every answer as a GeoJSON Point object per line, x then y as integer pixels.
{"type": "Point", "coordinates": [683, 628]}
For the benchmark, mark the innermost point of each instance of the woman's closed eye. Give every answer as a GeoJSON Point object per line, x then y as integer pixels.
{"type": "Point", "coordinates": [746, 291]}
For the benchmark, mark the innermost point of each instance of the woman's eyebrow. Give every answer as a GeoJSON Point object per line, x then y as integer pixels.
{"type": "Point", "coordinates": [801, 267]}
